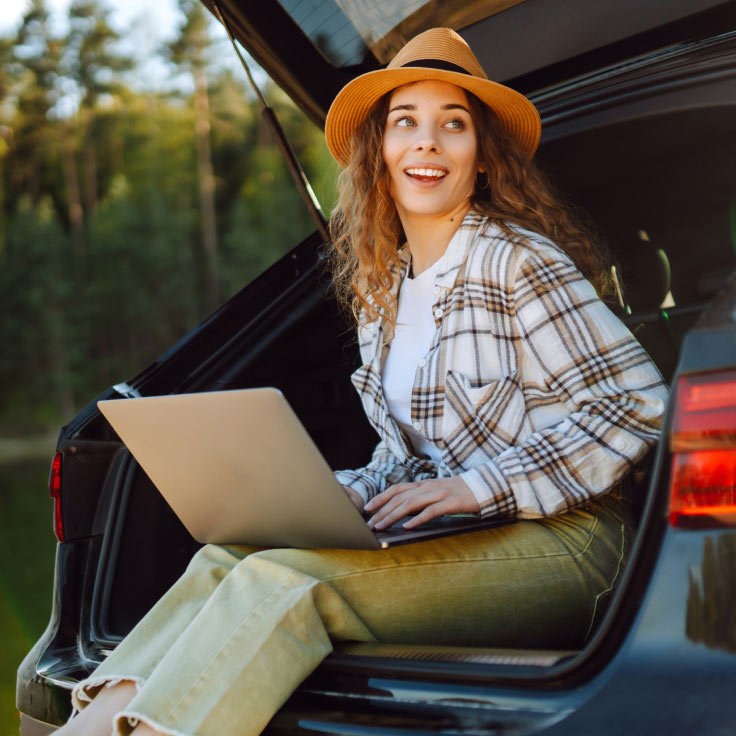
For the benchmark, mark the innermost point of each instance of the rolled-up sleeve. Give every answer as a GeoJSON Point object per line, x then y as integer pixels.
{"type": "Point", "coordinates": [588, 359]}
{"type": "Point", "coordinates": [384, 470]}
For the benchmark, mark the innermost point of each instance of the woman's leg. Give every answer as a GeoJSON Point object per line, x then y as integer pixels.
{"type": "Point", "coordinates": [272, 616]}
{"type": "Point", "coordinates": [138, 655]}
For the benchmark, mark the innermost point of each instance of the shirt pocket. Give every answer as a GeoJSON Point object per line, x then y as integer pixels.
{"type": "Point", "coordinates": [481, 421]}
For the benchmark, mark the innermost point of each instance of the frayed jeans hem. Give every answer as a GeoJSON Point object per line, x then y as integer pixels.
{"type": "Point", "coordinates": [126, 721]}
{"type": "Point", "coordinates": [81, 697]}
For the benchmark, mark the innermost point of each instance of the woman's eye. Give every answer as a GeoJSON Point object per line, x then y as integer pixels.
{"type": "Point", "coordinates": [404, 122]}
{"type": "Point", "coordinates": [456, 124]}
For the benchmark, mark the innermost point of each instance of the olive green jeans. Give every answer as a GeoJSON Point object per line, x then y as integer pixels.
{"type": "Point", "coordinates": [243, 626]}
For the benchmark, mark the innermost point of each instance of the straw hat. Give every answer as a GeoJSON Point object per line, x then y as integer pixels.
{"type": "Point", "coordinates": [441, 54]}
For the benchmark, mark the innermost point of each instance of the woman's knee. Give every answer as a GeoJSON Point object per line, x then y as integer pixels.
{"type": "Point", "coordinates": [216, 561]}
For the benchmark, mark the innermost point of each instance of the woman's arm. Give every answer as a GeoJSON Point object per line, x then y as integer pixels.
{"type": "Point", "coordinates": [596, 368]}
{"type": "Point", "coordinates": [384, 470]}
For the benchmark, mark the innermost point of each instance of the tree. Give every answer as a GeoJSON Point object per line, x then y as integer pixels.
{"type": "Point", "coordinates": [190, 53]}
{"type": "Point", "coordinates": [37, 56]}
{"type": "Point", "coordinates": [97, 276]}
{"type": "Point", "coordinates": [6, 132]}
{"type": "Point", "coordinates": [93, 63]}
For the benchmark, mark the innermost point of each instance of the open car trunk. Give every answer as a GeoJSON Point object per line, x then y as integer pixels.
{"type": "Point", "coordinates": [665, 212]}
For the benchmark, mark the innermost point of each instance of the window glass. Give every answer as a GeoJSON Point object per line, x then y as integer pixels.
{"type": "Point", "coordinates": [348, 31]}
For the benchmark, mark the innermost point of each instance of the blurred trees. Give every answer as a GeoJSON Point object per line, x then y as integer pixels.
{"type": "Point", "coordinates": [190, 52]}
{"type": "Point", "coordinates": [116, 236]}
{"type": "Point", "coordinates": [91, 62]}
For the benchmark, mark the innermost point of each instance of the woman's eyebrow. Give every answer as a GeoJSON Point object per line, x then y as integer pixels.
{"type": "Point", "coordinates": [448, 106]}
{"type": "Point", "coordinates": [455, 106]}
{"type": "Point", "coordinates": [403, 107]}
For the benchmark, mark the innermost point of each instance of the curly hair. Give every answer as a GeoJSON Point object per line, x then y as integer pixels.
{"type": "Point", "coordinates": [366, 230]}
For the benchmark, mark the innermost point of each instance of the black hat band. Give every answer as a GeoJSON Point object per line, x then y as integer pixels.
{"type": "Point", "coordinates": [445, 66]}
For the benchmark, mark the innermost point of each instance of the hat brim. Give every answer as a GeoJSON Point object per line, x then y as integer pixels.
{"type": "Point", "coordinates": [352, 104]}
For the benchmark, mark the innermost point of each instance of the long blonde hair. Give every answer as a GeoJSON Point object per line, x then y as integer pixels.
{"type": "Point", "coordinates": [366, 230]}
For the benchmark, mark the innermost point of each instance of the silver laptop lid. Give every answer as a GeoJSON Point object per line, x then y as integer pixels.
{"type": "Point", "coordinates": [239, 467]}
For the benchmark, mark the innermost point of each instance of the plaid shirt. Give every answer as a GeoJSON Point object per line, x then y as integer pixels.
{"type": "Point", "coordinates": [535, 393]}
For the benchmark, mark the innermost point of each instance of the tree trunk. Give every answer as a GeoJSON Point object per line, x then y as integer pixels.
{"type": "Point", "coordinates": [73, 198]}
{"type": "Point", "coordinates": [90, 167]}
{"type": "Point", "coordinates": [206, 186]}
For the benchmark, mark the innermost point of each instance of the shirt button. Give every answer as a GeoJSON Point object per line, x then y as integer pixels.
{"type": "Point", "coordinates": [417, 426]}
{"type": "Point", "coordinates": [620, 444]}
{"type": "Point", "coordinates": [422, 363]}
{"type": "Point", "coordinates": [439, 312]}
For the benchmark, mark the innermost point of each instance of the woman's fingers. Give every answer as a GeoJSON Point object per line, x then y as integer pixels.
{"type": "Point", "coordinates": [382, 498]}
{"type": "Point", "coordinates": [402, 504]}
{"type": "Point", "coordinates": [428, 499]}
{"type": "Point", "coordinates": [428, 513]}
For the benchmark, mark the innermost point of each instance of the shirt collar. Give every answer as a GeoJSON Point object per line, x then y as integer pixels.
{"type": "Point", "coordinates": [458, 248]}
{"type": "Point", "coordinates": [454, 256]}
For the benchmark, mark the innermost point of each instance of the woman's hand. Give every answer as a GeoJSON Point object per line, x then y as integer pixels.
{"type": "Point", "coordinates": [355, 497]}
{"type": "Point", "coordinates": [432, 498]}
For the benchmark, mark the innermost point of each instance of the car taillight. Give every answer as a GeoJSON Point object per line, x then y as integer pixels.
{"type": "Point", "coordinates": [703, 445]}
{"type": "Point", "coordinates": [55, 491]}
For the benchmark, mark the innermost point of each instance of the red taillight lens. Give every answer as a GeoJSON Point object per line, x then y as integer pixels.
{"type": "Point", "coordinates": [55, 491]}
{"type": "Point", "coordinates": [703, 445]}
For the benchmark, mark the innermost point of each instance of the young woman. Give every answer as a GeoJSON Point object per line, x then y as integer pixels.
{"type": "Point", "coordinates": [499, 384]}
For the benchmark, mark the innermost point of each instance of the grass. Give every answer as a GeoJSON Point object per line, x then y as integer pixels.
{"type": "Point", "coordinates": [27, 547]}
{"type": "Point", "coordinates": [14, 449]}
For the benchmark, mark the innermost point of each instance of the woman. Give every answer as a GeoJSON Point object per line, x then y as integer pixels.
{"type": "Point", "coordinates": [499, 384]}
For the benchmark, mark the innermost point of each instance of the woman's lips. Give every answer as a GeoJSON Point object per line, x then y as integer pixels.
{"type": "Point", "coordinates": [425, 175]}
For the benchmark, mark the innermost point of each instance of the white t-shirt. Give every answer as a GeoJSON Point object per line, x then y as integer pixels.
{"type": "Point", "coordinates": [413, 335]}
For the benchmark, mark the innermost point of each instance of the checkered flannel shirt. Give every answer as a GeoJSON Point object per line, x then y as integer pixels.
{"type": "Point", "coordinates": [535, 393]}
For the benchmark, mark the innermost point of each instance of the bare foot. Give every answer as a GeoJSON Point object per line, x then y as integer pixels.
{"type": "Point", "coordinates": [96, 718]}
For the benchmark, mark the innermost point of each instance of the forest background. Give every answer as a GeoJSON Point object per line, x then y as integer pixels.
{"type": "Point", "coordinates": [128, 214]}
{"type": "Point", "coordinates": [130, 208]}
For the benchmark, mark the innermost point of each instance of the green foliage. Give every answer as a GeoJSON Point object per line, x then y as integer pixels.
{"type": "Point", "coordinates": [102, 263]}
{"type": "Point", "coordinates": [90, 57]}
{"type": "Point", "coordinates": [192, 45]}
{"type": "Point", "coordinates": [26, 571]}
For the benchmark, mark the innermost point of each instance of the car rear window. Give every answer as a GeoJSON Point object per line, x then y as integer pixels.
{"type": "Point", "coordinates": [347, 32]}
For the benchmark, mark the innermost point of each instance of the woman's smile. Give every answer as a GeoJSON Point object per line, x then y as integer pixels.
{"type": "Point", "coordinates": [427, 174]}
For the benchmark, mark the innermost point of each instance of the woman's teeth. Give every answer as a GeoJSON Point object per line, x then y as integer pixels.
{"type": "Point", "coordinates": [434, 173]}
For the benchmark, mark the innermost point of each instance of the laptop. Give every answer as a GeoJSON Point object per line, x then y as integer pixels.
{"type": "Point", "coordinates": [238, 467]}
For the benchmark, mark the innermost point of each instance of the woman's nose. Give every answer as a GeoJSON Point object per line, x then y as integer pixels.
{"type": "Point", "coordinates": [426, 140]}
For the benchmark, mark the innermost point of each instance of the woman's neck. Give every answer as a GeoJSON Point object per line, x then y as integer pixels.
{"type": "Point", "coordinates": [428, 236]}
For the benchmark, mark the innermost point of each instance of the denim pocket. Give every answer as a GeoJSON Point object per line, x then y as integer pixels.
{"type": "Point", "coordinates": [600, 604]}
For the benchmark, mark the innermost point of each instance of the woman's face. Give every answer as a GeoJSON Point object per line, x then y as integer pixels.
{"type": "Point", "coordinates": [430, 149]}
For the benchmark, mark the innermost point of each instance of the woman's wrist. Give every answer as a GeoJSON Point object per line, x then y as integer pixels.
{"type": "Point", "coordinates": [355, 497]}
